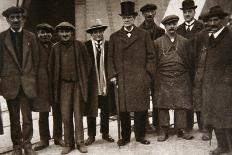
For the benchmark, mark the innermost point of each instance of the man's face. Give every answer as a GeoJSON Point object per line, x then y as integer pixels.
{"type": "Point", "coordinates": [98, 34]}
{"type": "Point", "coordinates": [128, 20]}
{"type": "Point", "coordinates": [149, 15]}
{"type": "Point", "coordinates": [171, 28]}
{"type": "Point", "coordinates": [65, 34]}
{"type": "Point", "coordinates": [215, 23]}
{"type": "Point", "coordinates": [189, 14]}
{"type": "Point", "coordinates": [15, 20]}
{"type": "Point", "coordinates": [44, 35]}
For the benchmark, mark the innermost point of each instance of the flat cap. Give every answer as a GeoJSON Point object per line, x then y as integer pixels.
{"type": "Point", "coordinates": [148, 7]}
{"type": "Point", "coordinates": [170, 19]}
{"type": "Point", "coordinates": [65, 25]}
{"type": "Point", "coordinates": [44, 26]}
{"type": "Point", "coordinates": [11, 10]}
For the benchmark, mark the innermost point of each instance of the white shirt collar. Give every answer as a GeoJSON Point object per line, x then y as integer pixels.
{"type": "Point", "coordinates": [20, 30]}
{"type": "Point", "coordinates": [190, 24]}
{"type": "Point", "coordinates": [128, 30]}
{"type": "Point", "coordinates": [216, 34]}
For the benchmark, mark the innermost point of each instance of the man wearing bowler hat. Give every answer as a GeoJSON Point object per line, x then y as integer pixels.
{"type": "Point", "coordinates": [18, 78]}
{"type": "Point", "coordinates": [172, 85]}
{"type": "Point", "coordinates": [69, 67]}
{"type": "Point", "coordinates": [44, 100]}
{"type": "Point", "coordinates": [149, 12]}
{"type": "Point", "coordinates": [99, 87]}
{"type": "Point", "coordinates": [216, 106]}
{"type": "Point", "coordinates": [131, 65]}
{"type": "Point", "coordinates": [189, 29]}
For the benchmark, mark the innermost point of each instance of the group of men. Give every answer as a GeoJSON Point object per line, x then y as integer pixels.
{"type": "Point", "coordinates": [186, 68]}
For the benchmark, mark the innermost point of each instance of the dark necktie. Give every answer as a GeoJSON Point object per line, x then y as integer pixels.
{"type": "Point", "coordinates": [211, 39]}
{"type": "Point", "coordinates": [17, 47]}
{"type": "Point", "coordinates": [98, 45]}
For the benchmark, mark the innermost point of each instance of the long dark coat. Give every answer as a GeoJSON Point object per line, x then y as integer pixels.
{"type": "Point", "coordinates": [92, 103]}
{"type": "Point", "coordinates": [83, 66]}
{"type": "Point", "coordinates": [173, 92]}
{"type": "Point", "coordinates": [131, 60]}
{"type": "Point", "coordinates": [1, 60]}
{"type": "Point", "coordinates": [217, 80]}
{"type": "Point", "coordinates": [44, 100]}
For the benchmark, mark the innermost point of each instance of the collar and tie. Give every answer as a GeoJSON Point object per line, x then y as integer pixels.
{"type": "Point", "coordinates": [189, 26]}
{"type": "Point", "coordinates": [98, 45]}
{"type": "Point", "coordinates": [129, 31]}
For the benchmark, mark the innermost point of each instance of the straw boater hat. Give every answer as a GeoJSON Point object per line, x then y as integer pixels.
{"type": "Point", "coordinates": [65, 25]}
{"type": "Point", "coordinates": [216, 11]}
{"type": "Point", "coordinates": [13, 9]}
{"type": "Point", "coordinates": [188, 4]}
{"type": "Point", "coordinates": [128, 9]}
{"type": "Point", "coordinates": [44, 26]}
{"type": "Point", "coordinates": [148, 7]}
{"type": "Point", "coordinates": [170, 19]}
{"type": "Point", "coordinates": [97, 24]}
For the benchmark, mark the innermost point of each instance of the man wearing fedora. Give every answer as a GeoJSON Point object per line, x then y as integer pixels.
{"type": "Point", "coordinates": [149, 12]}
{"type": "Point", "coordinates": [216, 106]}
{"type": "Point", "coordinates": [172, 85]}
{"type": "Point", "coordinates": [189, 29]}
{"type": "Point", "coordinates": [69, 67]}
{"type": "Point", "coordinates": [44, 100]}
{"type": "Point", "coordinates": [130, 65]}
{"type": "Point", "coordinates": [99, 87]}
{"type": "Point", "coordinates": [18, 78]}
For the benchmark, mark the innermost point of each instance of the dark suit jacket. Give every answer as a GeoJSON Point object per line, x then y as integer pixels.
{"type": "Point", "coordinates": [13, 75]}
{"type": "Point", "coordinates": [155, 31]}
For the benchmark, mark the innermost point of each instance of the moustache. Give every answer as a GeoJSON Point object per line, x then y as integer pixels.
{"type": "Point", "coordinates": [149, 16]}
{"type": "Point", "coordinates": [172, 29]}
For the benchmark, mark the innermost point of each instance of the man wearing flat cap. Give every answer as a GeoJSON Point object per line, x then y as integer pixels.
{"type": "Point", "coordinates": [215, 47]}
{"type": "Point", "coordinates": [99, 87]}
{"type": "Point", "coordinates": [189, 29]}
{"type": "Point", "coordinates": [69, 68]}
{"type": "Point", "coordinates": [149, 12]}
{"type": "Point", "coordinates": [18, 78]}
{"type": "Point", "coordinates": [130, 65]}
{"type": "Point", "coordinates": [172, 87]}
{"type": "Point", "coordinates": [44, 100]}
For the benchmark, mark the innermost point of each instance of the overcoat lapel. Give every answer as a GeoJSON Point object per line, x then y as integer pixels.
{"type": "Point", "coordinates": [127, 42]}
{"type": "Point", "coordinates": [26, 45]}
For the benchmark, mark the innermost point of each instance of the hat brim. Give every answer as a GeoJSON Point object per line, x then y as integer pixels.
{"type": "Point", "coordinates": [186, 8]}
{"type": "Point", "coordinates": [91, 29]}
{"type": "Point", "coordinates": [45, 28]}
{"type": "Point", "coordinates": [170, 21]}
{"type": "Point", "coordinates": [220, 15]}
{"type": "Point", "coordinates": [128, 14]}
{"type": "Point", "coordinates": [65, 27]}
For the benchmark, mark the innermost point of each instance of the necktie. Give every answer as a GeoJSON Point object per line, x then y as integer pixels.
{"type": "Point", "coordinates": [98, 45]}
{"type": "Point", "coordinates": [17, 48]}
{"type": "Point", "coordinates": [188, 28]}
{"type": "Point", "coordinates": [211, 39]}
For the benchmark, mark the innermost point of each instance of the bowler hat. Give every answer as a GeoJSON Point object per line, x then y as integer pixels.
{"type": "Point", "coordinates": [11, 10]}
{"type": "Point", "coordinates": [65, 25]}
{"type": "Point", "coordinates": [148, 7]}
{"type": "Point", "coordinates": [188, 4]}
{"type": "Point", "coordinates": [170, 19]}
{"type": "Point", "coordinates": [216, 11]}
{"type": "Point", "coordinates": [44, 26]}
{"type": "Point", "coordinates": [128, 9]}
{"type": "Point", "coordinates": [96, 25]}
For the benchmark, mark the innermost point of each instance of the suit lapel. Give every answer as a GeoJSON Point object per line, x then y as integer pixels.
{"type": "Point", "coordinates": [26, 45]}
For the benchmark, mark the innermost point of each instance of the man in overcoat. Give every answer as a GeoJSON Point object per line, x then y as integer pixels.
{"type": "Point", "coordinates": [149, 12]}
{"type": "Point", "coordinates": [69, 66]}
{"type": "Point", "coordinates": [173, 79]}
{"type": "Point", "coordinates": [18, 78]}
{"type": "Point", "coordinates": [130, 64]}
{"type": "Point", "coordinates": [44, 100]}
{"type": "Point", "coordinates": [216, 79]}
{"type": "Point", "coordinates": [188, 29]}
{"type": "Point", "coordinates": [99, 86]}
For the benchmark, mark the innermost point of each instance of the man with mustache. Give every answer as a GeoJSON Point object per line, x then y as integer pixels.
{"type": "Point", "coordinates": [189, 29]}
{"type": "Point", "coordinates": [215, 71]}
{"type": "Point", "coordinates": [149, 12]}
{"type": "Point", "coordinates": [172, 87]}
{"type": "Point", "coordinates": [18, 78]}
{"type": "Point", "coordinates": [44, 100]}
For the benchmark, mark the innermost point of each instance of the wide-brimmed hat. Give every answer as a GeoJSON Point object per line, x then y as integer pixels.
{"type": "Point", "coordinates": [11, 10]}
{"type": "Point", "coordinates": [96, 24]}
{"type": "Point", "coordinates": [188, 4]}
{"type": "Point", "coordinates": [148, 7]}
{"type": "Point", "coordinates": [44, 26]}
{"type": "Point", "coordinates": [216, 11]}
{"type": "Point", "coordinates": [65, 25]}
{"type": "Point", "coordinates": [128, 9]}
{"type": "Point", "coordinates": [170, 19]}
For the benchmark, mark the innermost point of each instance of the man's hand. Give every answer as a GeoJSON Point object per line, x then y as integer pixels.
{"type": "Point", "coordinates": [113, 80]}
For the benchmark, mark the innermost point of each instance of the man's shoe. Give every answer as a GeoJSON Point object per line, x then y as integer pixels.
{"type": "Point", "coordinates": [184, 134]}
{"type": "Point", "coordinates": [82, 148]}
{"type": "Point", "coordinates": [90, 140]}
{"type": "Point", "coordinates": [108, 138]}
{"type": "Point", "coordinates": [122, 142]}
{"type": "Point", "coordinates": [163, 135]}
{"type": "Point", "coordinates": [67, 149]}
{"type": "Point", "coordinates": [29, 151]}
{"type": "Point", "coordinates": [41, 145]}
{"type": "Point", "coordinates": [206, 136]}
{"type": "Point", "coordinates": [17, 152]}
{"type": "Point", "coordinates": [143, 141]}
{"type": "Point", "coordinates": [59, 142]}
{"type": "Point", "coordinates": [219, 151]}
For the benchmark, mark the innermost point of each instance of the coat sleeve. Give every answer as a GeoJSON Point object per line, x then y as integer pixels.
{"type": "Point", "coordinates": [111, 59]}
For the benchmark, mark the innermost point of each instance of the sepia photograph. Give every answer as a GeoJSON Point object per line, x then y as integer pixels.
{"type": "Point", "coordinates": [116, 77]}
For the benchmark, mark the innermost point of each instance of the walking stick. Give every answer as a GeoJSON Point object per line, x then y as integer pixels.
{"type": "Point", "coordinates": [118, 110]}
